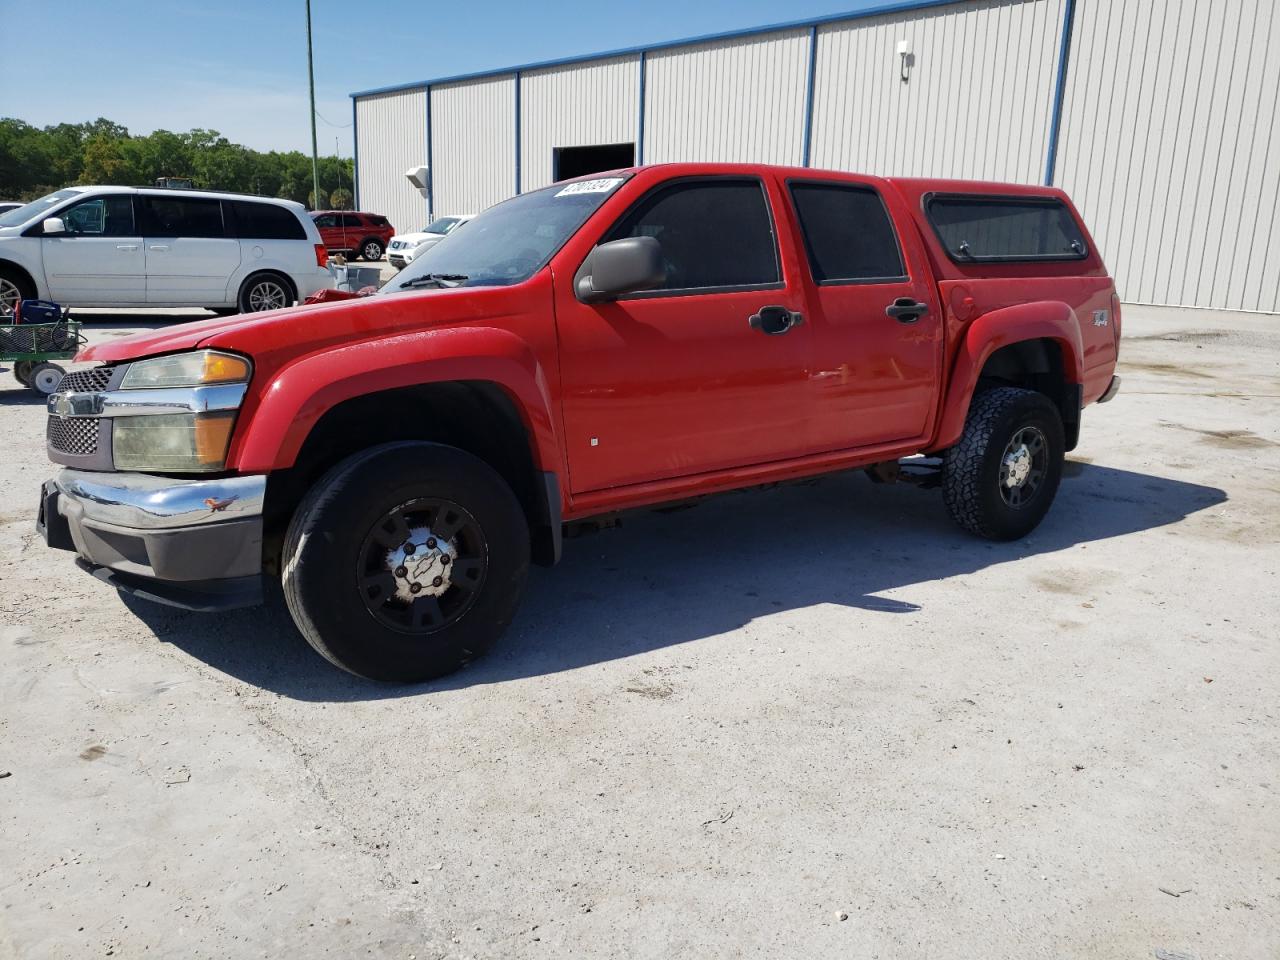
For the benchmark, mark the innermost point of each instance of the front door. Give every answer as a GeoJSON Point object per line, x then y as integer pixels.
{"type": "Point", "coordinates": [678, 381]}
{"type": "Point", "coordinates": [99, 259]}
{"type": "Point", "coordinates": [877, 324]}
{"type": "Point", "coordinates": [190, 257]}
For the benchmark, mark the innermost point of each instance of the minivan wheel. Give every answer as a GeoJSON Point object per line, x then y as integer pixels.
{"type": "Point", "coordinates": [265, 291]}
{"type": "Point", "coordinates": [13, 288]}
{"type": "Point", "coordinates": [371, 249]}
{"type": "Point", "coordinates": [1000, 479]}
{"type": "Point", "coordinates": [405, 561]}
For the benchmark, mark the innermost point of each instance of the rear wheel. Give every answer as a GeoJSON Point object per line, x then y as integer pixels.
{"type": "Point", "coordinates": [406, 561]}
{"type": "Point", "coordinates": [22, 371]}
{"type": "Point", "coordinates": [1000, 479]}
{"type": "Point", "coordinates": [371, 249]}
{"type": "Point", "coordinates": [265, 291]}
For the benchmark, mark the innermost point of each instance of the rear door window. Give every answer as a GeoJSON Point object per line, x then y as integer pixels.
{"type": "Point", "coordinates": [267, 221]}
{"type": "Point", "coordinates": [182, 217]}
{"type": "Point", "coordinates": [351, 220]}
{"type": "Point", "coordinates": [848, 235]}
{"type": "Point", "coordinates": [714, 234]}
{"type": "Point", "coordinates": [979, 228]}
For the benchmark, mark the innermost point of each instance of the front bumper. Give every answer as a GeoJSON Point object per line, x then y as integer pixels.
{"type": "Point", "coordinates": [195, 544]}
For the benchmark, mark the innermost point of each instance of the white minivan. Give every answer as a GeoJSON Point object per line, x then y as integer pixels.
{"type": "Point", "coordinates": [141, 247]}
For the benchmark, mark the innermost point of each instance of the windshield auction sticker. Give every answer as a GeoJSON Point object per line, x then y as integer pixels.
{"type": "Point", "coordinates": [590, 186]}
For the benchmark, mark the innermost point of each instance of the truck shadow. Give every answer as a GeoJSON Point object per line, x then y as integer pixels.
{"type": "Point", "coordinates": [668, 579]}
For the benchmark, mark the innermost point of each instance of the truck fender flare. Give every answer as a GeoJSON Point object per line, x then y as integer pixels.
{"type": "Point", "coordinates": [302, 392]}
{"type": "Point", "coordinates": [1041, 320]}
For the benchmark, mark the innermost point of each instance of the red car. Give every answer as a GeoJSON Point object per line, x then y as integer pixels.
{"type": "Point", "coordinates": [359, 235]}
{"type": "Point", "coordinates": [633, 339]}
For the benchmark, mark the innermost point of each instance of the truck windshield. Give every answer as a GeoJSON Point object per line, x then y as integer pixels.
{"type": "Point", "coordinates": [510, 242]}
{"type": "Point", "coordinates": [30, 211]}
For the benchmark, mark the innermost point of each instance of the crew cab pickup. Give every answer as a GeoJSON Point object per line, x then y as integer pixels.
{"type": "Point", "coordinates": [636, 338]}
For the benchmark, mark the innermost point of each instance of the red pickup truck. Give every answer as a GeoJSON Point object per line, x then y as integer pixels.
{"type": "Point", "coordinates": [635, 338]}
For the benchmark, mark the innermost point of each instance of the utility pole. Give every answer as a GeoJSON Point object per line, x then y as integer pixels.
{"type": "Point", "coordinates": [311, 83]}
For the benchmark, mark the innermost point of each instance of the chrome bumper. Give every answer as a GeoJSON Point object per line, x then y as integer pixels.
{"type": "Point", "coordinates": [195, 544]}
{"type": "Point", "coordinates": [145, 502]}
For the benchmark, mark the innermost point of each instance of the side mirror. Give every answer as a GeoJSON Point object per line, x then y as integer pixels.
{"type": "Point", "coordinates": [621, 266]}
{"type": "Point", "coordinates": [54, 225]}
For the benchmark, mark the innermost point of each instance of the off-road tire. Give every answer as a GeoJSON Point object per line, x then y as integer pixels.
{"type": "Point", "coordinates": [325, 547]}
{"type": "Point", "coordinates": [971, 470]}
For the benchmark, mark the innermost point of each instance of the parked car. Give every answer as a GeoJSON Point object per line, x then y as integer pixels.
{"type": "Point", "coordinates": [405, 246]}
{"type": "Point", "coordinates": [355, 234]}
{"type": "Point", "coordinates": [147, 247]}
{"type": "Point", "coordinates": [601, 345]}
{"type": "Point", "coordinates": [7, 205]}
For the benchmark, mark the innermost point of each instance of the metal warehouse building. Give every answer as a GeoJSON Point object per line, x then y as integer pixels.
{"type": "Point", "coordinates": [1159, 117]}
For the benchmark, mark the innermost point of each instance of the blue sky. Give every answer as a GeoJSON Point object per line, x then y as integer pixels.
{"type": "Point", "coordinates": [240, 67]}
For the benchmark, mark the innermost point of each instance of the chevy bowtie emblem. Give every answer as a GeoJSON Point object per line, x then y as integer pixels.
{"type": "Point", "coordinates": [60, 404]}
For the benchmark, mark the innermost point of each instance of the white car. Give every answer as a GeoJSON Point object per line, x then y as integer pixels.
{"type": "Point", "coordinates": [405, 246]}
{"type": "Point", "coordinates": [143, 247]}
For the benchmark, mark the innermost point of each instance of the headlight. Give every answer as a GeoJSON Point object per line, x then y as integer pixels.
{"type": "Point", "coordinates": [187, 370]}
{"type": "Point", "coordinates": [172, 442]}
{"type": "Point", "coordinates": [190, 440]}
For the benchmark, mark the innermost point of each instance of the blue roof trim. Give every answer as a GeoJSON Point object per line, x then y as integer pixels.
{"type": "Point", "coordinates": [901, 6]}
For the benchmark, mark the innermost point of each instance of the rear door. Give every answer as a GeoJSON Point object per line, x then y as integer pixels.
{"type": "Point", "coordinates": [877, 324]}
{"type": "Point", "coordinates": [99, 259]}
{"type": "Point", "coordinates": [677, 381]}
{"type": "Point", "coordinates": [190, 254]}
{"type": "Point", "coordinates": [331, 233]}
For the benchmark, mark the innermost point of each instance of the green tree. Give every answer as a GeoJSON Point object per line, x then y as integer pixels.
{"type": "Point", "coordinates": [341, 199]}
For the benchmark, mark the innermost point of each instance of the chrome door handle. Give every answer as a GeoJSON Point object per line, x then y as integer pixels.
{"type": "Point", "coordinates": [158, 246]}
{"type": "Point", "coordinates": [126, 246]}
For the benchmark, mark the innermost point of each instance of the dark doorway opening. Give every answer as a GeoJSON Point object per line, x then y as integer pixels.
{"type": "Point", "coordinates": [570, 162]}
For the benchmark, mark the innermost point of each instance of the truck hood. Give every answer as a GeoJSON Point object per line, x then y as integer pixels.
{"type": "Point", "coordinates": [273, 338]}
{"type": "Point", "coordinates": [414, 239]}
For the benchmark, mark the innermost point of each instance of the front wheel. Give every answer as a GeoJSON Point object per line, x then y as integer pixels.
{"type": "Point", "coordinates": [1000, 479]}
{"type": "Point", "coordinates": [45, 378]}
{"type": "Point", "coordinates": [406, 561]}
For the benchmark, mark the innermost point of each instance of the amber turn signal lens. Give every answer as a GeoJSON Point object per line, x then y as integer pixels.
{"type": "Point", "coordinates": [224, 368]}
{"type": "Point", "coordinates": [213, 435]}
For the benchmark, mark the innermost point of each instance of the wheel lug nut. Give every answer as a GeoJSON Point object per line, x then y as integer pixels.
{"type": "Point", "coordinates": [437, 581]}
{"type": "Point", "coordinates": [415, 588]}
{"type": "Point", "coordinates": [401, 572]}
{"type": "Point", "coordinates": [408, 549]}
{"type": "Point", "coordinates": [431, 543]}
{"type": "Point", "coordinates": [444, 561]}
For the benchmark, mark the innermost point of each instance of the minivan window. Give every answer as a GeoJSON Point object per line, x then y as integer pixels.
{"type": "Point", "coordinates": [264, 221]}
{"type": "Point", "coordinates": [30, 211]}
{"type": "Point", "coordinates": [101, 217]}
{"type": "Point", "coordinates": [847, 233]}
{"type": "Point", "coordinates": [182, 217]}
{"type": "Point", "coordinates": [978, 228]}
{"type": "Point", "coordinates": [714, 233]}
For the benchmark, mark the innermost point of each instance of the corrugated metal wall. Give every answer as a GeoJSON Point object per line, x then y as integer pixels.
{"type": "Point", "coordinates": [473, 144]}
{"type": "Point", "coordinates": [391, 138]}
{"type": "Point", "coordinates": [739, 100]}
{"type": "Point", "coordinates": [1170, 147]}
{"type": "Point", "coordinates": [574, 106]}
{"type": "Point", "coordinates": [977, 104]}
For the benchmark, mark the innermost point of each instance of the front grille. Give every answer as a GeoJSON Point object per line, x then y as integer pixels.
{"type": "Point", "coordinates": [77, 436]}
{"type": "Point", "coordinates": [86, 381]}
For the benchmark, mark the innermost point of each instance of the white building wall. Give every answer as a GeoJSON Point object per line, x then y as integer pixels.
{"type": "Point", "coordinates": [575, 106]}
{"type": "Point", "coordinates": [391, 136]}
{"type": "Point", "coordinates": [977, 104]}
{"type": "Point", "coordinates": [741, 99]}
{"type": "Point", "coordinates": [1170, 147]}
{"type": "Point", "coordinates": [473, 144]}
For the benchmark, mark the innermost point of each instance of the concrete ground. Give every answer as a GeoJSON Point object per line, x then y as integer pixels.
{"type": "Point", "coordinates": [814, 722]}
